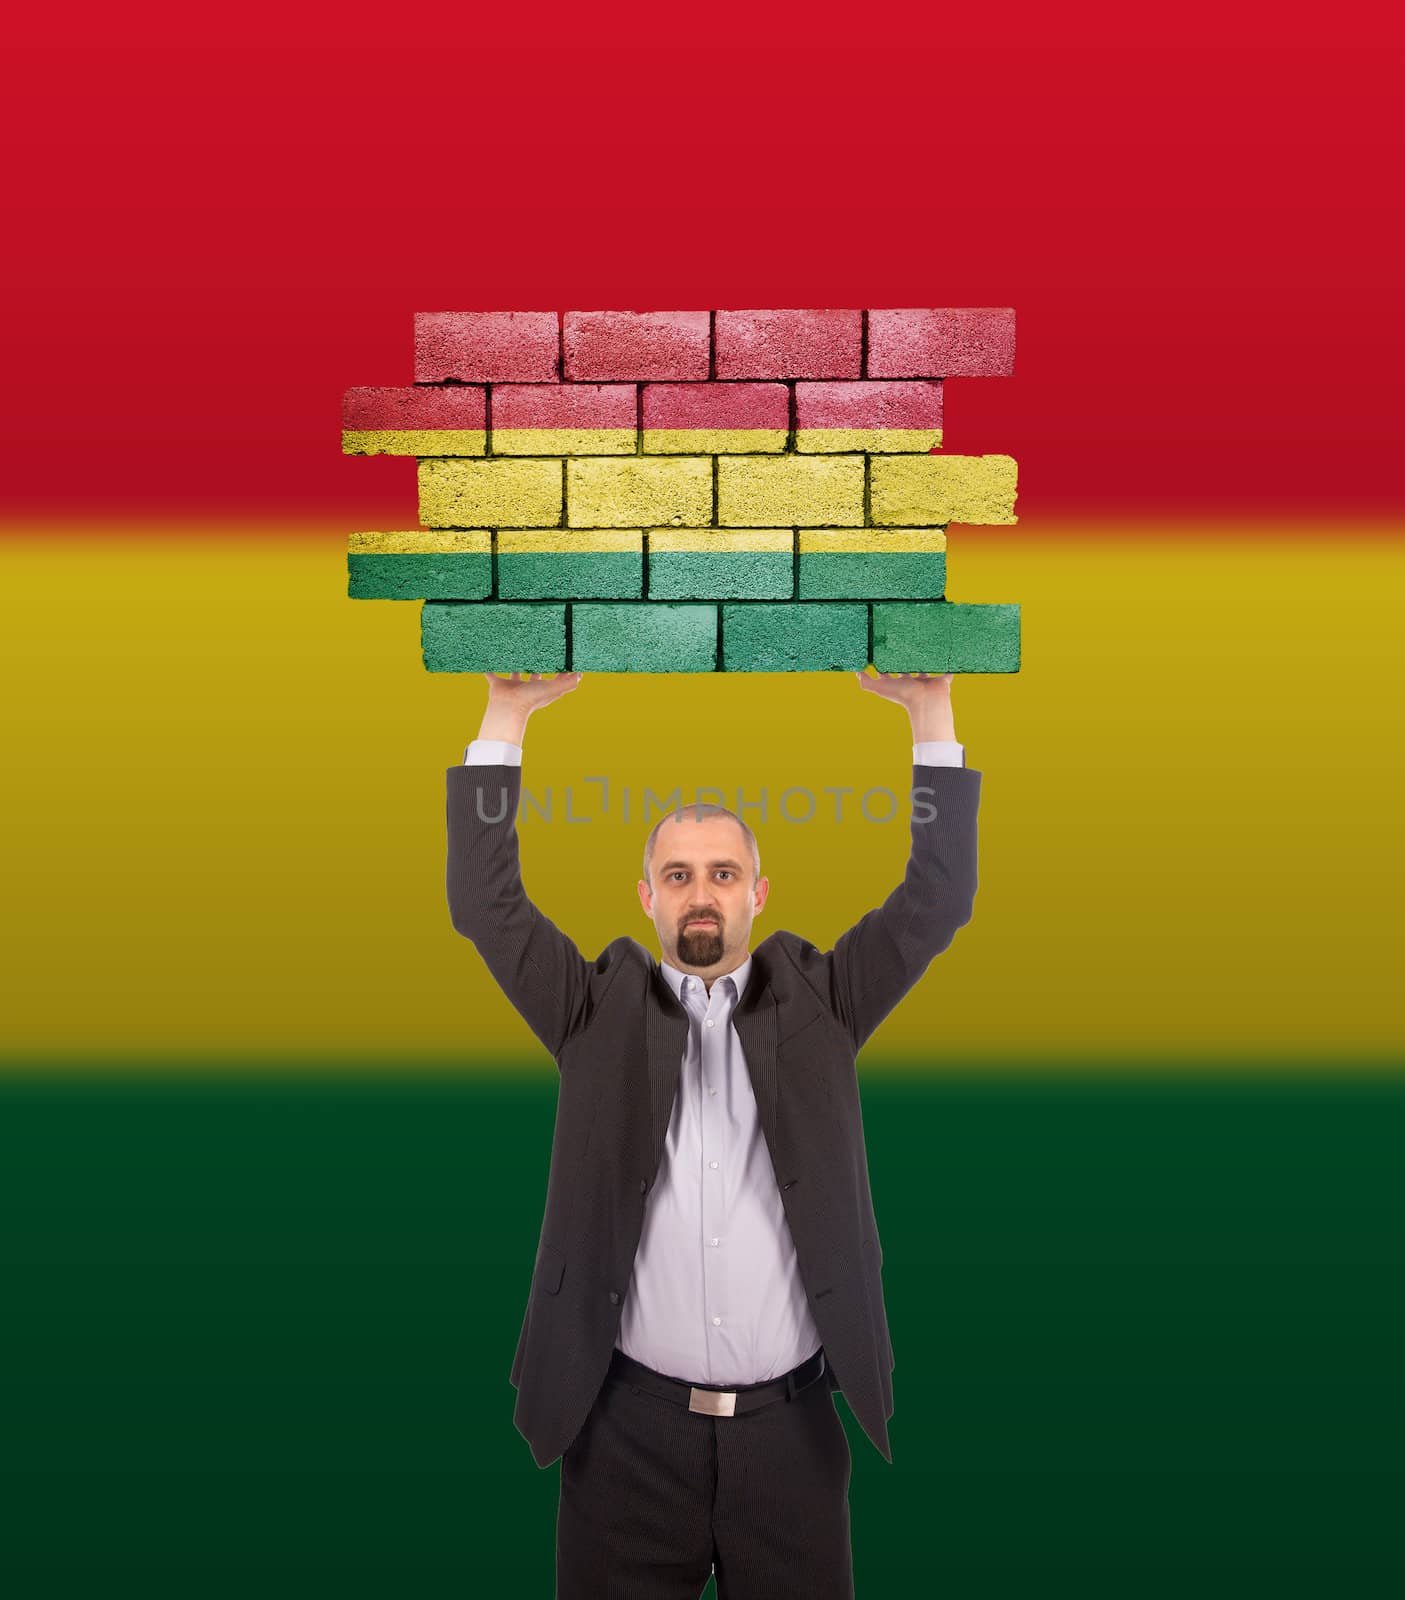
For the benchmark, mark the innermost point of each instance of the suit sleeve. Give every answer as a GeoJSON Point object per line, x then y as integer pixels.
{"type": "Point", "coordinates": [538, 967]}
{"type": "Point", "coordinates": [876, 962]}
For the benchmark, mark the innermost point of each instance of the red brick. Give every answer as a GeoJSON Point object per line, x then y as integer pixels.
{"type": "Point", "coordinates": [454, 406]}
{"type": "Point", "coordinates": [717, 405]}
{"type": "Point", "coordinates": [564, 405]}
{"type": "Point", "coordinates": [970, 342]}
{"type": "Point", "coordinates": [868, 405]}
{"type": "Point", "coordinates": [789, 344]}
{"type": "Point", "coordinates": [486, 346]}
{"type": "Point", "coordinates": [636, 344]}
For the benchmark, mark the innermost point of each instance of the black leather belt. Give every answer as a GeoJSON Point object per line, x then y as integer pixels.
{"type": "Point", "coordinates": [712, 1399]}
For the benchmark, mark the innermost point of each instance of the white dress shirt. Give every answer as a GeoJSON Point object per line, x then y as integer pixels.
{"type": "Point", "coordinates": [715, 1295]}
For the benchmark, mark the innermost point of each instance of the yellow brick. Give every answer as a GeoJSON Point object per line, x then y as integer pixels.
{"type": "Point", "coordinates": [711, 441]}
{"type": "Point", "coordinates": [804, 491]}
{"type": "Point", "coordinates": [422, 542]}
{"type": "Point", "coordinates": [879, 441]}
{"type": "Point", "coordinates": [566, 541]}
{"type": "Point", "coordinates": [493, 493]}
{"type": "Point", "coordinates": [413, 441]}
{"type": "Point", "coordinates": [720, 541]}
{"type": "Point", "coordinates": [633, 492]}
{"type": "Point", "coordinates": [870, 541]}
{"type": "Point", "coordinates": [921, 490]}
{"type": "Point", "coordinates": [563, 441]}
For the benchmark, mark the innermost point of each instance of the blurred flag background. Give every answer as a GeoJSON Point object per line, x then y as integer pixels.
{"type": "Point", "coordinates": [273, 1147]}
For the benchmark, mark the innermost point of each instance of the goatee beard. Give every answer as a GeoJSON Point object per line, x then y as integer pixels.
{"type": "Point", "coordinates": [700, 947]}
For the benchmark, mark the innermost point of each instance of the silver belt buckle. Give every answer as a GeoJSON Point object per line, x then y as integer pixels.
{"type": "Point", "coordinates": [714, 1402]}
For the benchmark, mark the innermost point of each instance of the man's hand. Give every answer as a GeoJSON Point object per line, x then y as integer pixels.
{"type": "Point", "coordinates": [511, 700]}
{"type": "Point", "coordinates": [926, 695]}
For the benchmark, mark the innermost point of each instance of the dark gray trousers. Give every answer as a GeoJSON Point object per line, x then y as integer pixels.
{"type": "Point", "coordinates": [654, 1496]}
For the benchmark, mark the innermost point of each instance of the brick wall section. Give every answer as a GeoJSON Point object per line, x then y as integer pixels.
{"type": "Point", "coordinates": [689, 491]}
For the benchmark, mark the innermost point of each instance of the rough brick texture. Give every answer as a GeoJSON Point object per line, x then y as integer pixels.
{"type": "Point", "coordinates": [643, 638]}
{"type": "Point", "coordinates": [715, 418]}
{"type": "Point", "coordinates": [487, 346]}
{"type": "Point", "coordinates": [789, 344]}
{"type": "Point", "coordinates": [626, 493]}
{"type": "Point", "coordinates": [552, 564]}
{"type": "Point", "coordinates": [794, 638]}
{"type": "Point", "coordinates": [802, 491]}
{"type": "Point", "coordinates": [878, 417]}
{"type": "Point", "coordinates": [504, 493]}
{"type": "Point", "coordinates": [974, 342]}
{"type": "Point", "coordinates": [904, 563]}
{"type": "Point", "coordinates": [720, 564]}
{"type": "Point", "coordinates": [564, 419]}
{"type": "Point", "coordinates": [414, 406]}
{"type": "Point", "coordinates": [923, 491]}
{"type": "Point", "coordinates": [420, 566]}
{"type": "Point", "coordinates": [688, 491]}
{"type": "Point", "coordinates": [457, 636]}
{"type": "Point", "coordinates": [419, 420]}
{"type": "Point", "coordinates": [635, 344]}
{"type": "Point", "coordinates": [945, 637]}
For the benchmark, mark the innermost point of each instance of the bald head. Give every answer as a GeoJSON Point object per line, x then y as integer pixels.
{"type": "Point", "coordinates": [746, 847]}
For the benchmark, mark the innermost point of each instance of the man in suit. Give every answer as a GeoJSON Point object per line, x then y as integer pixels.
{"type": "Point", "coordinates": [708, 1271]}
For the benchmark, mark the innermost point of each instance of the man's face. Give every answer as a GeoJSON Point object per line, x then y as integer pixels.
{"type": "Point", "coordinates": [701, 869]}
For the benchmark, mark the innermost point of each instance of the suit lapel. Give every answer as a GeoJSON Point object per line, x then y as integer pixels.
{"type": "Point", "coordinates": [666, 1035]}
{"type": "Point", "coordinates": [755, 1022]}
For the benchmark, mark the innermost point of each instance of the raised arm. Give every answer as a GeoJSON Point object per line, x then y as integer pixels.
{"type": "Point", "coordinates": [877, 961]}
{"type": "Point", "coordinates": [538, 967]}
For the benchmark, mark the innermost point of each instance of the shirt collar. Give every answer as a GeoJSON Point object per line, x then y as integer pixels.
{"type": "Point", "coordinates": [738, 975]}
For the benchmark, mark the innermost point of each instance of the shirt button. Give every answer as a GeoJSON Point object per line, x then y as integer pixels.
{"type": "Point", "coordinates": [712, 1163]}
{"type": "Point", "coordinates": [712, 1091]}
{"type": "Point", "coordinates": [714, 1241]}
{"type": "Point", "coordinates": [717, 1322]}
{"type": "Point", "coordinates": [709, 1022]}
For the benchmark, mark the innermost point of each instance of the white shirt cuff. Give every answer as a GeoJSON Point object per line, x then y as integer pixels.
{"type": "Point", "coordinates": [927, 753]}
{"type": "Point", "coordinates": [489, 751]}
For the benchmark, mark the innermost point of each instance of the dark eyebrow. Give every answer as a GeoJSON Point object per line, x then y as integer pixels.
{"type": "Point", "coordinates": [670, 864]}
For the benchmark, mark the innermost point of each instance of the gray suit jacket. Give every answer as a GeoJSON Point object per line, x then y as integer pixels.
{"type": "Point", "coordinates": [618, 1035]}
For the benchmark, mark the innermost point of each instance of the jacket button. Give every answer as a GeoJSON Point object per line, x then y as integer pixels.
{"type": "Point", "coordinates": [643, 1186]}
{"type": "Point", "coordinates": [614, 1297]}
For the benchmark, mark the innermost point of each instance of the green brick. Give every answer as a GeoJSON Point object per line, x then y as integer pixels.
{"type": "Point", "coordinates": [427, 576]}
{"type": "Point", "coordinates": [850, 575]}
{"type": "Point", "coordinates": [643, 637]}
{"type": "Point", "coordinates": [706, 575]}
{"type": "Point", "coordinates": [812, 637]}
{"type": "Point", "coordinates": [721, 563]}
{"type": "Point", "coordinates": [945, 637]}
{"type": "Point", "coordinates": [492, 636]}
{"type": "Point", "coordinates": [591, 574]}
{"type": "Point", "coordinates": [558, 564]}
